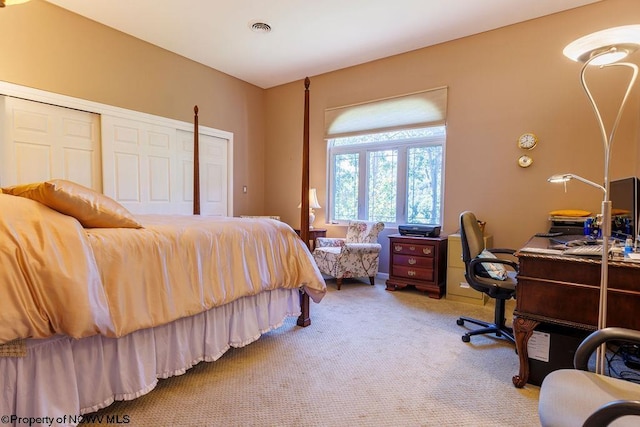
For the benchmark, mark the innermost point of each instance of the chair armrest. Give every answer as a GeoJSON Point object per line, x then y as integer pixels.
{"type": "Point", "coordinates": [472, 264]}
{"type": "Point", "coordinates": [329, 242]}
{"type": "Point", "coordinates": [362, 248]}
{"type": "Point", "coordinates": [601, 336]}
{"type": "Point", "coordinates": [507, 251]}
{"type": "Point", "coordinates": [611, 411]}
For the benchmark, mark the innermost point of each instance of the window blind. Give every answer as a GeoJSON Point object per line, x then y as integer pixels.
{"type": "Point", "coordinates": [415, 110]}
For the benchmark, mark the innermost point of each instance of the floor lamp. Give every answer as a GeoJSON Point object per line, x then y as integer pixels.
{"type": "Point", "coordinates": [603, 49]}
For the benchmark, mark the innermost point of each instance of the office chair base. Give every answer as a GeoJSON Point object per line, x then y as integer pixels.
{"type": "Point", "coordinates": [487, 328]}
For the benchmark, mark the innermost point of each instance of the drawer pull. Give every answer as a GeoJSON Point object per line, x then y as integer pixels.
{"type": "Point", "coordinates": [412, 248]}
{"type": "Point", "coordinates": [427, 250]}
{"type": "Point", "coordinates": [412, 261]}
{"type": "Point", "coordinates": [411, 273]}
{"type": "Point", "coordinates": [397, 248]}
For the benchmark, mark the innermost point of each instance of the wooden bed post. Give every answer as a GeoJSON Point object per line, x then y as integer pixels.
{"type": "Point", "coordinates": [305, 318]}
{"type": "Point", "coordinates": [196, 163]}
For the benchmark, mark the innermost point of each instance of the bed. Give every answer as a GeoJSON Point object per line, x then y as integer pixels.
{"type": "Point", "coordinates": [98, 303]}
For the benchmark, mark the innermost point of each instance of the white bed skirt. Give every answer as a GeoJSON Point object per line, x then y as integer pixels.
{"type": "Point", "coordinates": [62, 377]}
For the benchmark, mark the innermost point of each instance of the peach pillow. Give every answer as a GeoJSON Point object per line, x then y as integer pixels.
{"type": "Point", "coordinates": [90, 208]}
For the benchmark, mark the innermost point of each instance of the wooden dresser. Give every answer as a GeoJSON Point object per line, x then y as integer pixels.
{"type": "Point", "coordinates": [419, 262]}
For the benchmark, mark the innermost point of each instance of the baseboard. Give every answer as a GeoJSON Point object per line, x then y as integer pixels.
{"type": "Point", "coordinates": [382, 276]}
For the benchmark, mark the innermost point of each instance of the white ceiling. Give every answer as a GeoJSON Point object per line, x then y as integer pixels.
{"type": "Point", "coordinates": [308, 37]}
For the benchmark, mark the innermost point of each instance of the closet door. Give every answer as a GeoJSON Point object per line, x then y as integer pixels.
{"type": "Point", "coordinates": [139, 164]}
{"type": "Point", "coordinates": [43, 142]}
{"type": "Point", "coordinates": [214, 173]}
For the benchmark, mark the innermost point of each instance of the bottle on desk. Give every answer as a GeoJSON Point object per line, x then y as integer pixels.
{"type": "Point", "coordinates": [628, 246]}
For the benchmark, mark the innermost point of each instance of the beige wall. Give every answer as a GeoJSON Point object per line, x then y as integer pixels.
{"type": "Point", "coordinates": [49, 48]}
{"type": "Point", "coordinates": [501, 84]}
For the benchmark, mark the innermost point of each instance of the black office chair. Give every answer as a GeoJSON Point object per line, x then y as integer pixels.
{"type": "Point", "coordinates": [488, 274]}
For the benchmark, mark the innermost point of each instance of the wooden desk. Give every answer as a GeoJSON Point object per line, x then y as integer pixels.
{"type": "Point", "coordinates": [565, 291]}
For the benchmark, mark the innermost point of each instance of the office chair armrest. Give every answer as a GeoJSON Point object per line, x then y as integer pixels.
{"type": "Point", "coordinates": [506, 251]}
{"type": "Point", "coordinates": [472, 264]}
{"type": "Point", "coordinates": [611, 411]}
{"type": "Point", "coordinates": [601, 336]}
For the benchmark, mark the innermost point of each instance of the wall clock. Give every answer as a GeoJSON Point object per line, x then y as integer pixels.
{"type": "Point", "coordinates": [527, 141]}
{"type": "Point", "coordinates": [525, 161]}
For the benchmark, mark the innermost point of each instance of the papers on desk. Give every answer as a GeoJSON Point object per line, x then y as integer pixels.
{"type": "Point", "coordinates": [547, 251]}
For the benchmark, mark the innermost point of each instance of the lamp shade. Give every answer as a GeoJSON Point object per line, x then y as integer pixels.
{"type": "Point", "coordinates": [313, 200]}
{"type": "Point", "coordinates": [610, 45]}
{"type": "Point", "coordinates": [4, 3]}
{"type": "Point", "coordinates": [566, 177]}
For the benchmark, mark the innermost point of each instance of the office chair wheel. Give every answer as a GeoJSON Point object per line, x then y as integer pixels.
{"type": "Point", "coordinates": [466, 338]}
{"type": "Point", "coordinates": [460, 322]}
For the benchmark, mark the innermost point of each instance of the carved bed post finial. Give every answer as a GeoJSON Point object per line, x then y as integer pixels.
{"type": "Point", "coordinates": [196, 163]}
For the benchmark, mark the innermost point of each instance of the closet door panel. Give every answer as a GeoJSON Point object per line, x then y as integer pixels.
{"type": "Point", "coordinates": [214, 176]}
{"type": "Point", "coordinates": [213, 160]}
{"type": "Point", "coordinates": [139, 163]}
{"type": "Point", "coordinates": [43, 142]}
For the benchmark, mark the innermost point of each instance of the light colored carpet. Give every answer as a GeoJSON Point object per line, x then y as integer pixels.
{"type": "Point", "coordinates": [369, 358]}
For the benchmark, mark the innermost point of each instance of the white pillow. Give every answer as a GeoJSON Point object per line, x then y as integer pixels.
{"type": "Point", "coordinates": [493, 270]}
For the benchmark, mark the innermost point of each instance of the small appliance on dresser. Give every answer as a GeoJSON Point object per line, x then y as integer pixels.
{"type": "Point", "coordinates": [418, 261]}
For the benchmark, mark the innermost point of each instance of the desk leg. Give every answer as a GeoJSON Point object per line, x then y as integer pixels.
{"type": "Point", "coordinates": [522, 329]}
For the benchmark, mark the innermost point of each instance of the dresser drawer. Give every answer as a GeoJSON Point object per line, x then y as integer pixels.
{"type": "Point", "coordinates": [413, 273]}
{"type": "Point", "coordinates": [457, 284]}
{"type": "Point", "coordinates": [413, 261]}
{"type": "Point", "coordinates": [413, 249]}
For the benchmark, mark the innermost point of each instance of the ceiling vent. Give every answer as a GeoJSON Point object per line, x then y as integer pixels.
{"type": "Point", "coordinates": [260, 27]}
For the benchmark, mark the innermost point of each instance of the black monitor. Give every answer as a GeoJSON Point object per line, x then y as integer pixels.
{"type": "Point", "coordinates": [624, 195]}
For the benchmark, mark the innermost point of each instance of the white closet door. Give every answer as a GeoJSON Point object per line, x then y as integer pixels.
{"type": "Point", "coordinates": [139, 164]}
{"type": "Point", "coordinates": [214, 172]}
{"type": "Point", "coordinates": [43, 141]}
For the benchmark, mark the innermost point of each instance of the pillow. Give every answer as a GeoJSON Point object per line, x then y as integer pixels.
{"type": "Point", "coordinates": [90, 208]}
{"type": "Point", "coordinates": [570, 212]}
{"type": "Point", "coordinates": [492, 270]}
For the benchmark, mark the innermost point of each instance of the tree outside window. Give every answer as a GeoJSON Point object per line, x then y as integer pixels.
{"type": "Point", "coordinates": [394, 177]}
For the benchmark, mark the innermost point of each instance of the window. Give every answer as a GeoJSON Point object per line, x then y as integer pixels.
{"type": "Point", "coordinates": [393, 177]}
{"type": "Point", "coordinates": [386, 159]}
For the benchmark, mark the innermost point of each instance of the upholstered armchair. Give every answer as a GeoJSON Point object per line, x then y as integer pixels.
{"type": "Point", "coordinates": [356, 255]}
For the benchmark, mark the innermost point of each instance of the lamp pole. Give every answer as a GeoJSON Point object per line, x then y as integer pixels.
{"type": "Point", "coordinates": [607, 141]}
{"type": "Point", "coordinates": [604, 49]}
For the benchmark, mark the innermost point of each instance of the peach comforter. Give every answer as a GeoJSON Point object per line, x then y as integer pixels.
{"type": "Point", "coordinates": [58, 278]}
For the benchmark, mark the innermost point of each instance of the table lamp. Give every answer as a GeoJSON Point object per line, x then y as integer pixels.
{"type": "Point", "coordinates": [603, 49]}
{"type": "Point", "coordinates": [313, 204]}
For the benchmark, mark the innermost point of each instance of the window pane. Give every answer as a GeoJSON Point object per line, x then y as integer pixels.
{"type": "Point", "coordinates": [345, 183]}
{"type": "Point", "coordinates": [398, 135]}
{"type": "Point", "coordinates": [382, 186]}
{"type": "Point", "coordinates": [424, 185]}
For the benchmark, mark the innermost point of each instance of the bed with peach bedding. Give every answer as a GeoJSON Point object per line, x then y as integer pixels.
{"type": "Point", "coordinates": [92, 312]}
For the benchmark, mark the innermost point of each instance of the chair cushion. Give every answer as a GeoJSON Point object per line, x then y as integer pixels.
{"type": "Point", "coordinates": [492, 270]}
{"type": "Point", "coordinates": [569, 396]}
